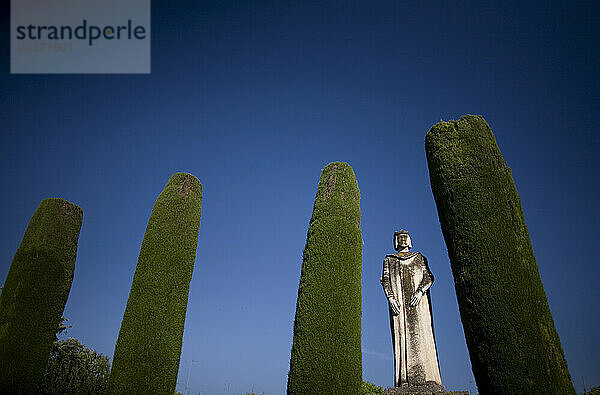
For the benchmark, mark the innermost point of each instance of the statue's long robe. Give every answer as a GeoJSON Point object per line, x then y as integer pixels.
{"type": "Point", "coordinates": [415, 354]}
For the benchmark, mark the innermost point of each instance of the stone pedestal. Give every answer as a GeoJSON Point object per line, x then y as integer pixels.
{"type": "Point", "coordinates": [430, 388]}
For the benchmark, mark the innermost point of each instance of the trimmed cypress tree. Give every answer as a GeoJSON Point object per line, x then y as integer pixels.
{"type": "Point", "coordinates": [326, 354]}
{"type": "Point", "coordinates": [146, 358]}
{"type": "Point", "coordinates": [35, 293]}
{"type": "Point", "coordinates": [513, 344]}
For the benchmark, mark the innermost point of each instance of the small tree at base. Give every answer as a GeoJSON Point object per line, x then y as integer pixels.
{"type": "Point", "coordinates": [75, 369]}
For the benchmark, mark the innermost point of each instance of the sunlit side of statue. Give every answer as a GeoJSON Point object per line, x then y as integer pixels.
{"type": "Point", "coordinates": [406, 280]}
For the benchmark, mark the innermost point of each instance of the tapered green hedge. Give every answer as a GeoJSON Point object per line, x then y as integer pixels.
{"type": "Point", "coordinates": [513, 344]}
{"type": "Point", "coordinates": [35, 293]}
{"type": "Point", "coordinates": [146, 358]}
{"type": "Point", "coordinates": [326, 353]}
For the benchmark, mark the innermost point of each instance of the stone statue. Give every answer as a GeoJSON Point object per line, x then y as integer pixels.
{"type": "Point", "coordinates": [406, 280]}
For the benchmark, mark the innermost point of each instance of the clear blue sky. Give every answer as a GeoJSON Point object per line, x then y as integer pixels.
{"type": "Point", "coordinates": [255, 98]}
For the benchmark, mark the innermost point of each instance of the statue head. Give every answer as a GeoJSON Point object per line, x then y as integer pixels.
{"type": "Point", "coordinates": [402, 240]}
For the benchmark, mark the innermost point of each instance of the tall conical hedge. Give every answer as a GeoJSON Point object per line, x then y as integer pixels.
{"type": "Point", "coordinates": [326, 353]}
{"type": "Point", "coordinates": [35, 293]}
{"type": "Point", "coordinates": [146, 358]}
{"type": "Point", "coordinates": [513, 344]}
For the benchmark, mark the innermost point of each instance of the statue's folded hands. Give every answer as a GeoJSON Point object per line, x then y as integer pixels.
{"type": "Point", "coordinates": [394, 306]}
{"type": "Point", "coordinates": [416, 298]}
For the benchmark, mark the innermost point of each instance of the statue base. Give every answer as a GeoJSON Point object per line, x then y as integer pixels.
{"type": "Point", "coordinates": [429, 388]}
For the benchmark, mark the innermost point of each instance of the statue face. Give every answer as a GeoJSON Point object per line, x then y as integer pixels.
{"type": "Point", "coordinates": [402, 241]}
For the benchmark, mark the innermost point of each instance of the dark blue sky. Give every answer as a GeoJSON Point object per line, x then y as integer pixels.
{"type": "Point", "coordinates": [255, 98]}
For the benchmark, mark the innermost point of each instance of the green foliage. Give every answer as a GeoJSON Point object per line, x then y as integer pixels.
{"type": "Point", "coordinates": [510, 333]}
{"type": "Point", "coordinates": [326, 353]}
{"type": "Point", "coordinates": [146, 358]}
{"type": "Point", "coordinates": [369, 388]}
{"type": "Point", "coordinates": [35, 293]}
{"type": "Point", "coordinates": [74, 369]}
{"type": "Point", "coordinates": [62, 327]}
{"type": "Point", "coordinates": [593, 391]}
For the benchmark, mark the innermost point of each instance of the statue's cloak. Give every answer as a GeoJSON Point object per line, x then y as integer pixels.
{"type": "Point", "coordinates": [415, 354]}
